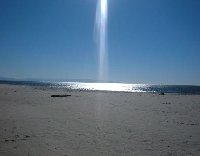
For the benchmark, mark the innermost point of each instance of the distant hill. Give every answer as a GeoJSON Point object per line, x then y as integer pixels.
{"type": "Point", "coordinates": [53, 80]}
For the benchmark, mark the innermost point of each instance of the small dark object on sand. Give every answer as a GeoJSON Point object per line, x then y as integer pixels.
{"type": "Point", "coordinates": [7, 140]}
{"type": "Point", "coordinates": [27, 136]}
{"type": "Point", "coordinates": [60, 95]}
{"type": "Point", "coordinates": [162, 93]}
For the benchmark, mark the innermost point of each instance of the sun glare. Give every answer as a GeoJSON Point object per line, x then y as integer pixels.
{"type": "Point", "coordinates": [104, 8]}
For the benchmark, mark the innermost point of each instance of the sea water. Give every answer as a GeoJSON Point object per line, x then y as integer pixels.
{"type": "Point", "coordinates": [117, 87]}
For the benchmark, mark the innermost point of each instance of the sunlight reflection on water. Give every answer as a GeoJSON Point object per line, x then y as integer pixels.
{"type": "Point", "coordinates": [105, 86]}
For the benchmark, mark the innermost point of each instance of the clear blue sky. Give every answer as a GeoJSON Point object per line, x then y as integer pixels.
{"type": "Point", "coordinates": [149, 41]}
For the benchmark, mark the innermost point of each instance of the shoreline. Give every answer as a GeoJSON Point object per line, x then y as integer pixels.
{"type": "Point", "coordinates": [97, 123]}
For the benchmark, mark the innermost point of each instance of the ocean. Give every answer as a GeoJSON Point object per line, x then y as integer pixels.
{"type": "Point", "coordinates": [116, 87]}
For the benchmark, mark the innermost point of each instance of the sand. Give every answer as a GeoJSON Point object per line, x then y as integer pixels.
{"type": "Point", "coordinates": [97, 123]}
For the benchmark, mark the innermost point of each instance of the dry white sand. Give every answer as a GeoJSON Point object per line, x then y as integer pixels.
{"type": "Point", "coordinates": [97, 123]}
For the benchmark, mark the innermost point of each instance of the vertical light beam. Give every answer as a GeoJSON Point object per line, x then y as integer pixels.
{"type": "Point", "coordinates": [104, 9]}
{"type": "Point", "coordinates": [101, 34]}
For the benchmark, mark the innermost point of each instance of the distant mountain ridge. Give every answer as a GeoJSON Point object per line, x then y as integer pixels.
{"type": "Point", "coordinates": [53, 80]}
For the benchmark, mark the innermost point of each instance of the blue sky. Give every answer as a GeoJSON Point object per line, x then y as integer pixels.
{"type": "Point", "coordinates": [149, 41]}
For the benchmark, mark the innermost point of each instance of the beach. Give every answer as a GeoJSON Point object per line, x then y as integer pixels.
{"type": "Point", "coordinates": [97, 123]}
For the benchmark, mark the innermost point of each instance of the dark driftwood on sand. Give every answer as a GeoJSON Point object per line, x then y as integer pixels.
{"type": "Point", "coordinates": [60, 95]}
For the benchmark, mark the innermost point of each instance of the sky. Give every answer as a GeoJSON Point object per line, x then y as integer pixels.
{"type": "Point", "coordinates": [149, 41]}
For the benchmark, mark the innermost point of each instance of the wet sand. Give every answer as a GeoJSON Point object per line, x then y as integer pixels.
{"type": "Point", "coordinates": [97, 123]}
